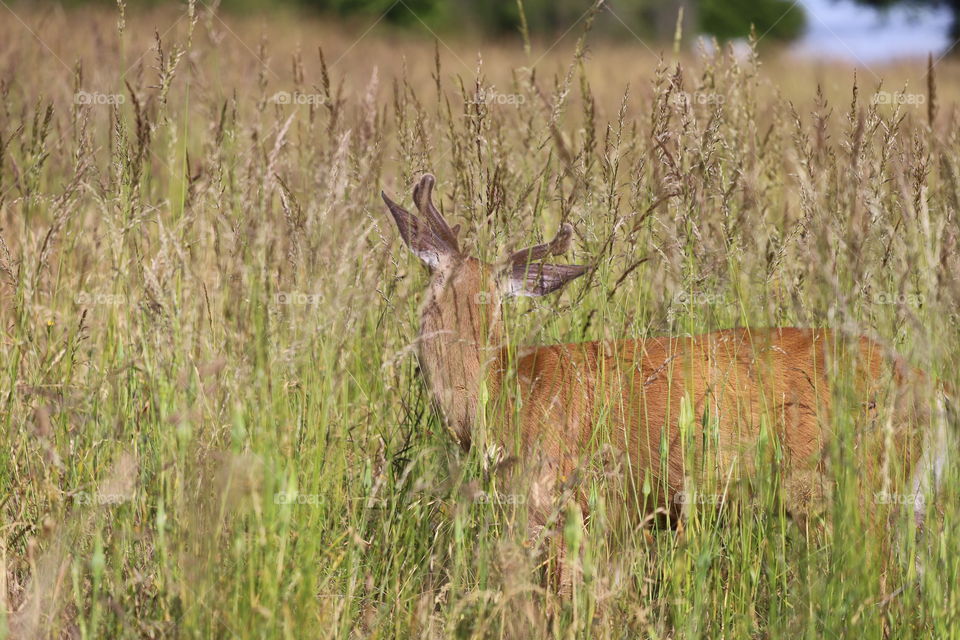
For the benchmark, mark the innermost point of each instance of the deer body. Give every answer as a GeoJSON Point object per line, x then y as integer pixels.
{"type": "Point", "coordinates": [739, 378]}
{"type": "Point", "coordinates": [560, 402]}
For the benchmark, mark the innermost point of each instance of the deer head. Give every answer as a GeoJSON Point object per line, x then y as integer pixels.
{"type": "Point", "coordinates": [460, 331]}
{"type": "Point", "coordinates": [435, 242]}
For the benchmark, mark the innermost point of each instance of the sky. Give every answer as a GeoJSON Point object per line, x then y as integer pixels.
{"type": "Point", "coordinates": [850, 31]}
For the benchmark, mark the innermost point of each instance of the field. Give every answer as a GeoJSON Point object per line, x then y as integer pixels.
{"type": "Point", "coordinates": [209, 395]}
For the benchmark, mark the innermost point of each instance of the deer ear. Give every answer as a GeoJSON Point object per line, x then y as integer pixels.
{"type": "Point", "coordinates": [428, 236]}
{"type": "Point", "coordinates": [425, 243]}
{"type": "Point", "coordinates": [540, 278]}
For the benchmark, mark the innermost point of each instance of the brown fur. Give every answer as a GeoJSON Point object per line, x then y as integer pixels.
{"type": "Point", "coordinates": [559, 403]}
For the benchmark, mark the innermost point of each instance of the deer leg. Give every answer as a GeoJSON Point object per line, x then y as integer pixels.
{"type": "Point", "coordinates": [807, 493]}
{"type": "Point", "coordinates": [547, 521]}
{"type": "Point", "coordinates": [928, 475]}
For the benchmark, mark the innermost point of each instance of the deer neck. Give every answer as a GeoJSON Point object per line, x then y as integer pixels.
{"type": "Point", "coordinates": [459, 350]}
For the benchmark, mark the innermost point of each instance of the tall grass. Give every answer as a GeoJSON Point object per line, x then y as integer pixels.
{"type": "Point", "coordinates": [213, 417]}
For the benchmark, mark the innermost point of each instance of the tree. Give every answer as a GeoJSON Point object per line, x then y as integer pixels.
{"type": "Point", "coordinates": [728, 19]}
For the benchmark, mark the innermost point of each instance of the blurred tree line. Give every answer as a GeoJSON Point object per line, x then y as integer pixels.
{"type": "Point", "coordinates": [726, 19]}
{"type": "Point", "coordinates": [655, 19]}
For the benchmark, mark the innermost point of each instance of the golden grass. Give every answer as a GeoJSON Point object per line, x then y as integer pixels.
{"type": "Point", "coordinates": [213, 418]}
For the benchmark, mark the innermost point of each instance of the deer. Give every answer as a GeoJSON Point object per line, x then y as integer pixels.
{"type": "Point", "coordinates": [745, 380]}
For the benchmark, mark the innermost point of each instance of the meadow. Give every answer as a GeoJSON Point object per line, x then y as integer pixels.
{"type": "Point", "coordinates": [209, 394]}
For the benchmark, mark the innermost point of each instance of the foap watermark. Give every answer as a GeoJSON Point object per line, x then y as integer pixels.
{"type": "Point", "coordinates": [696, 497]}
{"type": "Point", "coordinates": [297, 98]}
{"type": "Point", "coordinates": [697, 298]}
{"type": "Point", "coordinates": [490, 297]}
{"type": "Point", "coordinates": [492, 96]}
{"type": "Point", "coordinates": [97, 98]}
{"type": "Point", "coordinates": [291, 497]}
{"type": "Point", "coordinates": [296, 298]}
{"type": "Point", "coordinates": [495, 497]}
{"type": "Point", "coordinates": [886, 497]}
{"type": "Point", "coordinates": [94, 298]}
{"type": "Point", "coordinates": [909, 299]}
{"type": "Point", "coordinates": [681, 98]}
{"type": "Point", "coordinates": [905, 99]}
{"type": "Point", "coordinates": [98, 498]}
